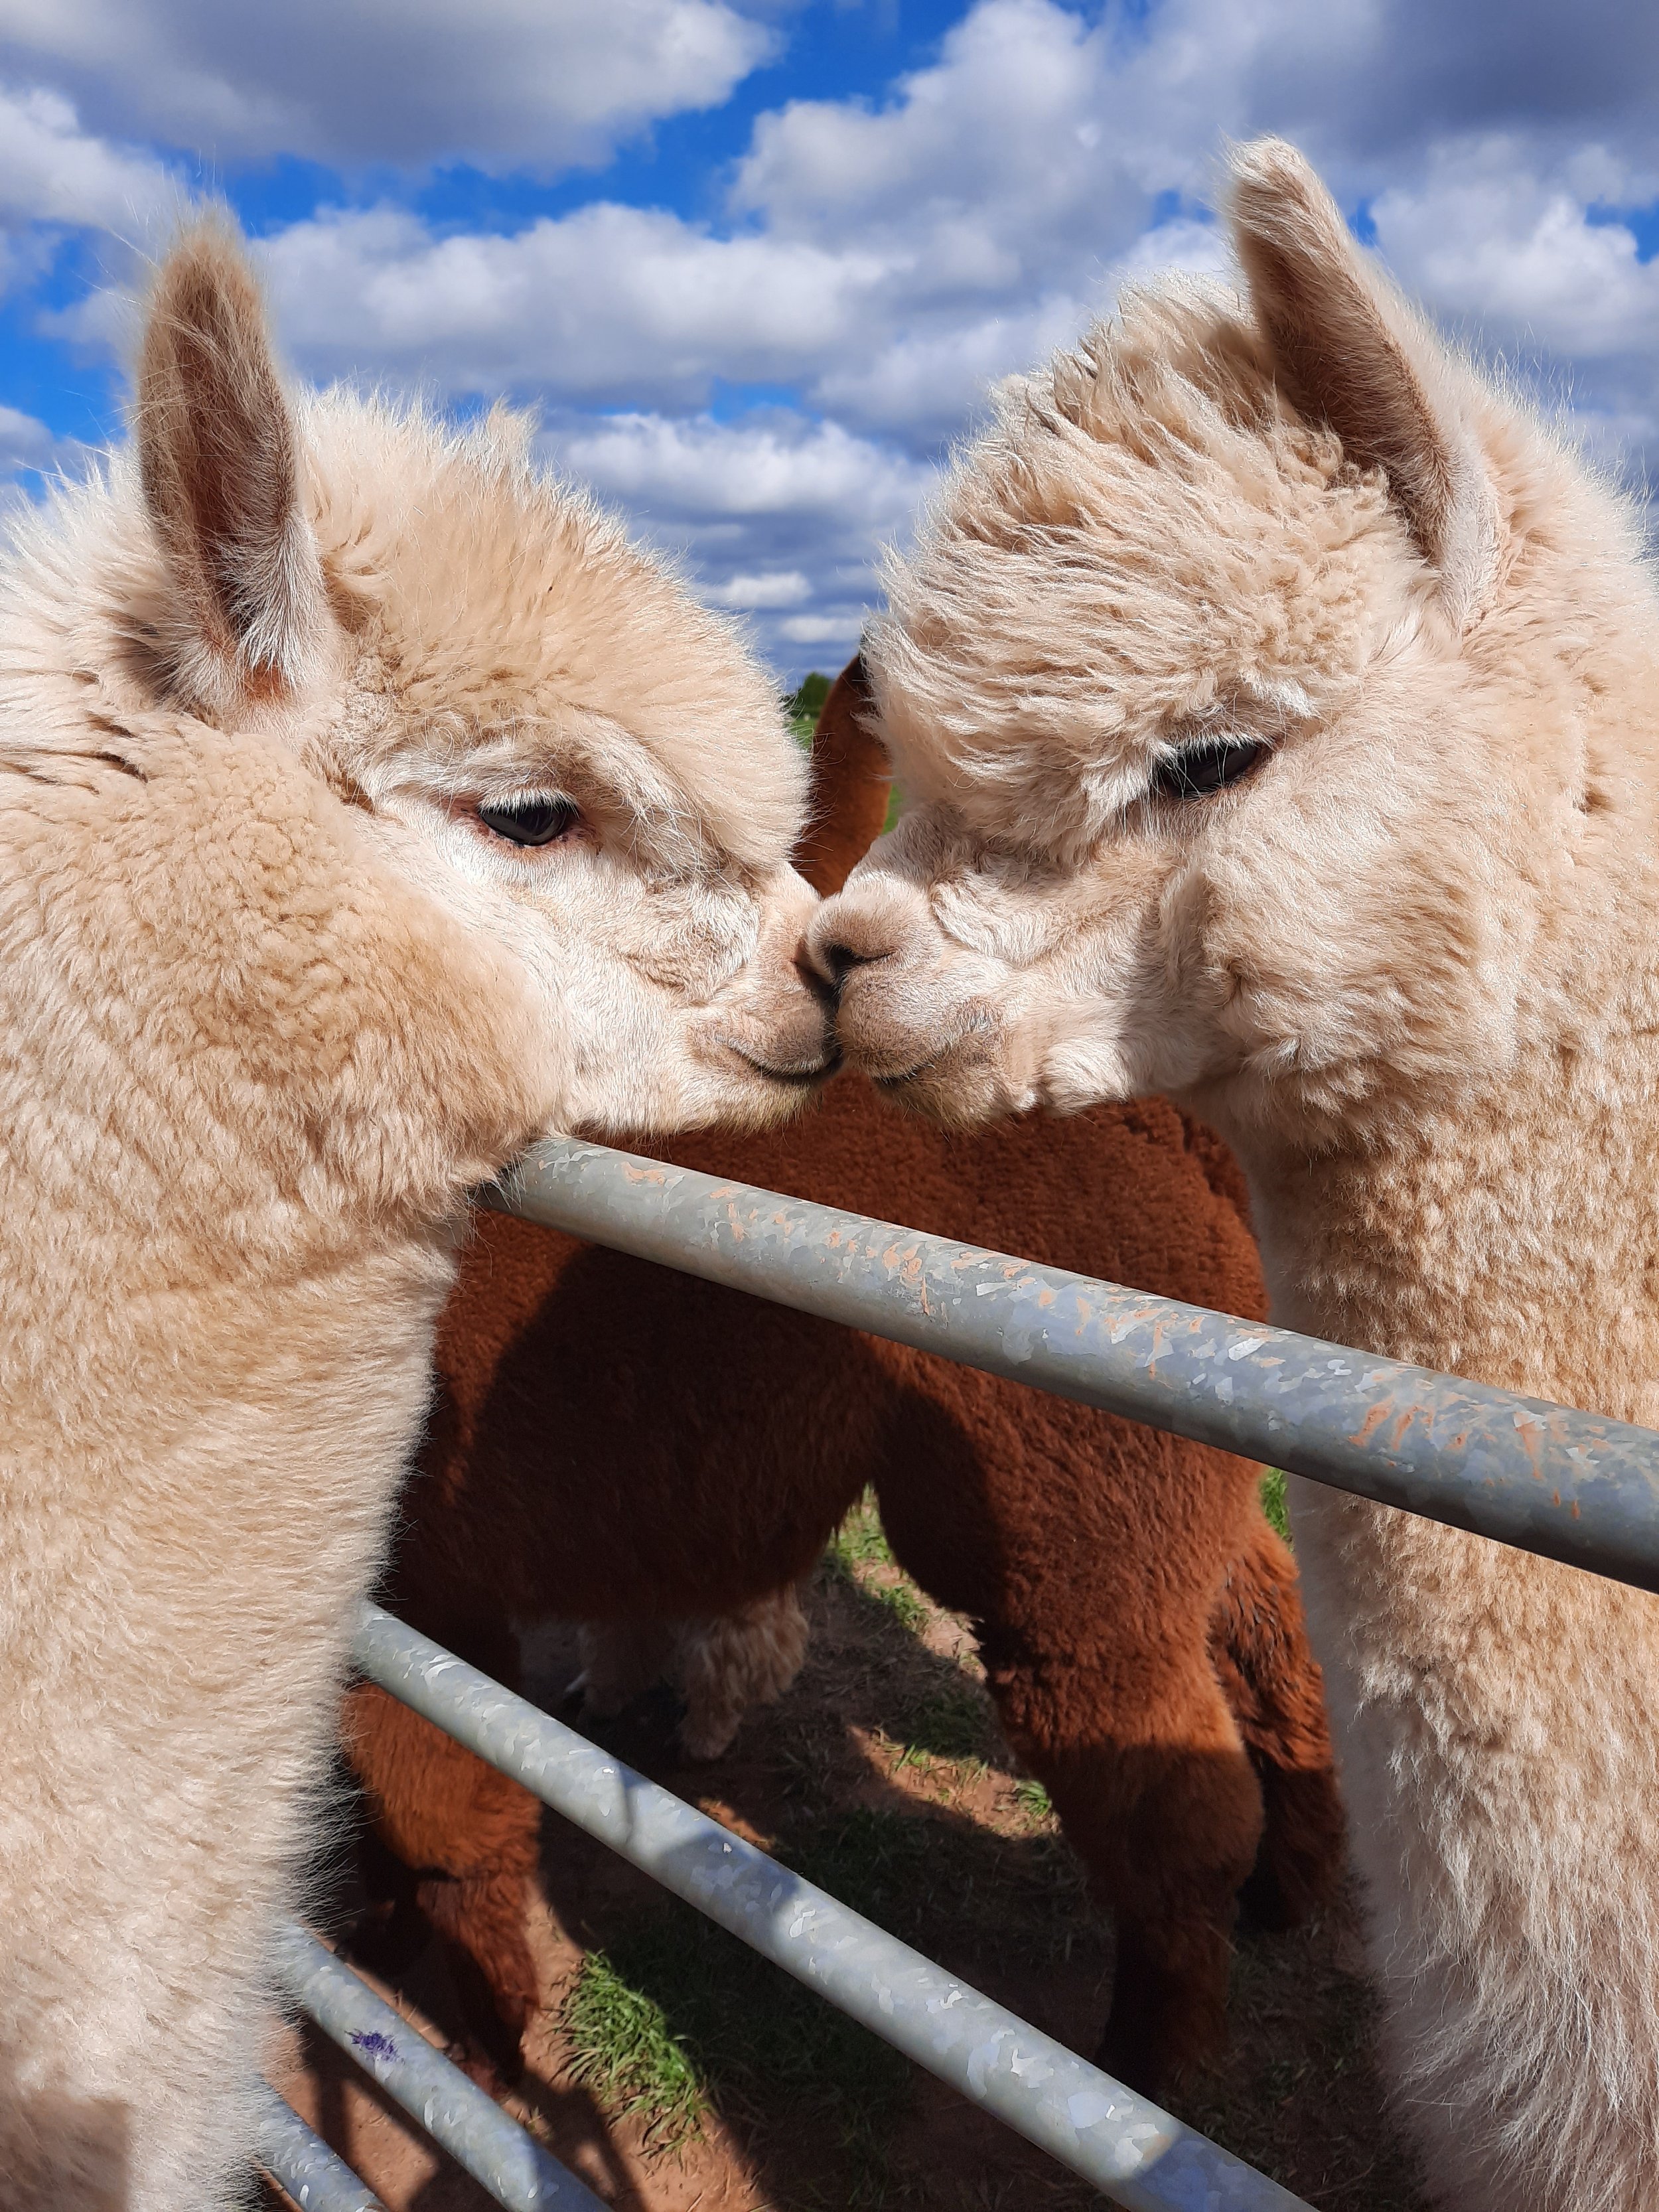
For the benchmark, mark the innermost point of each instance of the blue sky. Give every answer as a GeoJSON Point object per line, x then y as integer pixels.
{"type": "Point", "coordinates": [755, 262]}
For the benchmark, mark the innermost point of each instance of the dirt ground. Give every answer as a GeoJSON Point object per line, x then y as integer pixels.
{"type": "Point", "coordinates": [677, 2072]}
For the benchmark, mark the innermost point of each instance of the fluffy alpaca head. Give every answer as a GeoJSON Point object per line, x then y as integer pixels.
{"type": "Point", "coordinates": [1252, 684]}
{"type": "Point", "coordinates": [531, 718]}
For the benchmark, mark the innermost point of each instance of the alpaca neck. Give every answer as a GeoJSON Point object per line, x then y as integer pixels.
{"type": "Point", "coordinates": [1509, 1236]}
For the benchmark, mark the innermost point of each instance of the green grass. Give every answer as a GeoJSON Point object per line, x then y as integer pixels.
{"type": "Point", "coordinates": [901, 1600]}
{"type": "Point", "coordinates": [677, 2018]}
{"type": "Point", "coordinates": [1273, 1501]}
{"type": "Point", "coordinates": [860, 1545]}
{"type": "Point", "coordinates": [624, 2051]}
{"type": "Point", "coordinates": [1034, 1799]}
{"type": "Point", "coordinates": [859, 1542]}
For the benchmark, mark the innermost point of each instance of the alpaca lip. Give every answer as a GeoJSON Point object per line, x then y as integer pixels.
{"type": "Point", "coordinates": [799, 1078]}
{"type": "Point", "coordinates": [886, 1079]}
{"type": "Point", "coordinates": [891, 1082]}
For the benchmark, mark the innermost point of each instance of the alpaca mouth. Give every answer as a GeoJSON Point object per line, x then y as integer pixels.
{"type": "Point", "coordinates": [896, 1079]}
{"type": "Point", "coordinates": [800, 1077]}
{"type": "Point", "coordinates": [948, 1048]}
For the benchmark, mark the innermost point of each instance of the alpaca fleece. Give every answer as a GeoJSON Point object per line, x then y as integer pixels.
{"type": "Point", "coordinates": [1402, 954]}
{"type": "Point", "coordinates": [617, 1443]}
{"type": "Point", "coordinates": [271, 1000]}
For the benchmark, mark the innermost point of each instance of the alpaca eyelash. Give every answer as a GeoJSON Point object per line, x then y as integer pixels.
{"type": "Point", "coordinates": [1206, 765]}
{"type": "Point", "coordinates": [529, 822]}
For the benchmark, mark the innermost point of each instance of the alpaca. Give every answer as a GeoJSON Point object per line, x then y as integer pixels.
{"type": "Point", "coordinates": [1279, 703]}
{"type": "Point", "coordinates": [367, 806]}
{"type": "Point", "coordinates": [617, 1441]}
{"type": "Point", "coordinates": [722, 1664]}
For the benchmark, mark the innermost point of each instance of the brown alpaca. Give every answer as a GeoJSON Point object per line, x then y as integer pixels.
{"type": "Point", "coordinates": [617, 1443]}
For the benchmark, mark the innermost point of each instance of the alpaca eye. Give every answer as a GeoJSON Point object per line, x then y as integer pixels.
{"type": "Point", "coordinates": [1204, 766]}
{"type": "Point", "coordinates": [530, 821]}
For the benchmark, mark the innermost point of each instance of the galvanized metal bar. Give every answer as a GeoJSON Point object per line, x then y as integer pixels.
{"type": "Point", "coordinates": [302, 2162]}
{"type": "Point", "coordinates": [1571, 1486]}
{"type": "Point", "coordinates": [1140, 2155]}
{"type": "Point", "coordinates": [471, 2127]}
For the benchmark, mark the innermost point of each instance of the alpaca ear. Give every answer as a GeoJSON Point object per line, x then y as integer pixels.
{"type": "Point", "coordinates": [1350, 353]}
{"type": "Point", "coordinates": [218, 460]}
{"type": "Point", "coordinates": [852, 784]}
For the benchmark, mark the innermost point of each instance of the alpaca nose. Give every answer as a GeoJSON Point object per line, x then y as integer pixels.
{"type": "Point", "coordinates": [844, 936]}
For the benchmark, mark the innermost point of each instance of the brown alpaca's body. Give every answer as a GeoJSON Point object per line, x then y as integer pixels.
{"type": "Point", "coordinates": [616, 1442]}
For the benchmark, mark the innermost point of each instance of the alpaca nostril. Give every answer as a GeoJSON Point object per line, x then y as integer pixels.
{"type": "Point", "coordinates": [834, 957]}
{"type": "Point", "coordinates": [837, 958]}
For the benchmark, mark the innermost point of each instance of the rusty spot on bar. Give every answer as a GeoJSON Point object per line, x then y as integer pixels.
{"type": "Point", "coordinates": [1375, 1417]}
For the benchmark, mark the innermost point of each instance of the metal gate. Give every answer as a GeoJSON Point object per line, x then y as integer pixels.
{"type": "Point", "coordinates": [1568, 1485]}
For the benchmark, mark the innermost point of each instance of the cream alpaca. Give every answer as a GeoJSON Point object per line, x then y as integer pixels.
{"type": "Point", "coordinates": [1281, 705]}
{"type": "Point", "coordinates": [367, 805]}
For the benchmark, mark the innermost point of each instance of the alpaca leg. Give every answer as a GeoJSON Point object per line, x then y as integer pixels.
{"type": "Point", "coordinates": [1166, 1813]}
{"type": "Point", "coordinates": [1259, 1649]}
{"type": "Point", "coordinates": [479, 1919]}
{"type": "Point", "coordinates": [744, 1658]}
{"type": "Point", "coordinates": [1174, 1871]}
{"type": "Point", "coordinates": [620, 1661]}
{"type": "Point", "coordinates": [470, 1839]}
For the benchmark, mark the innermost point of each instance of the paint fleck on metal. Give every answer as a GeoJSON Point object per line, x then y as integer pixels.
{"type": "Point", "coordinates": [486, 2142]}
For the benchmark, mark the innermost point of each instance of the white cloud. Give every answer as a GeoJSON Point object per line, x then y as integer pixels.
{"type": "Point", "coordinates": [1484, 235]}
{"type": "Point", "coordinates": [778, 464]}
{"type": "Point", "coordinates": [768, 503]}
{"type": "Point", "coordinates": [782, 587]}
{"type": "Point", "coordinates": [534, 84]}
{"type": "Point", "coordinates": [24, 442]}
{"type": "Point", "coordinates": [53, 171]}
{"type": "Point", "coordinates": [885, 260]}
{"type": "Point", "coordinates": [30, 454]}
{"type": "Point", "coordinates": [56, 176]}
{"type": "Point", "coordinates": [823, 630]}
{"type": "Point", "coordinates": [619, 302]}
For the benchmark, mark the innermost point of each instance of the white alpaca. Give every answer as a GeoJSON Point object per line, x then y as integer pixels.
{"type": "Point", "coordinates": [367, 805]}
{"type": "Point", "coordinates": [1279, 707]}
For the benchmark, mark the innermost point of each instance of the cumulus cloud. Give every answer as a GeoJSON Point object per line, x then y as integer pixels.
{"type": "Point", "coordinates": [530, 84]}
{"type": "Point", "coordinates": [24, 442]}
{"type": "Point", "coordinates": [777, 512]}
{"type": "Point", "coordinates": [628, 304]}
{"type": "Point", "coordinates": [29, 454]}
{"type": "Point", "coordinates": [882, 261]}
{"type": "Point", "coordinates": [891, 262]}
{"type": "Point", "coordinates": [782, 587]}
{"type": "Point", "coordinates": [1485, 234]}
{"type": "Point", "coordinates": [56, 176]}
